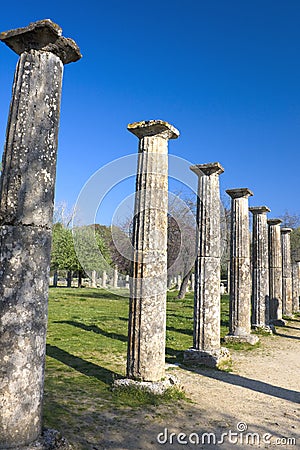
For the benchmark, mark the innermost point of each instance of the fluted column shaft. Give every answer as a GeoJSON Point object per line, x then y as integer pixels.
{"type": "Point", "coordinates": [287, 294]}
{"type": "Point", "coordinates": [240, 274]}
{"type": "Point", "coordinates": [115, 277]}
{"type": "Point", "coordinates": [260, 267]}
{"type": "Point", "coordinates": [207, 264]}
{"type": "Point", "coordinates": [275, 270]}
{"type": "Point", "coordinates": [147, 310]}
{"type": "Point", "coordinates": [296, 286]}
{"type": "Point", "coordinates": [26, 209]}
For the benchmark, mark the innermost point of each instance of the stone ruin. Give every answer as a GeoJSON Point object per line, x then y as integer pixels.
{"type": "Point", "coordinates": [26, 208]}
{"type": "Point", "coordinates": [26, 205]}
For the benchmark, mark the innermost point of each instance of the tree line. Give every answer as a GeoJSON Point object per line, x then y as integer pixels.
{"type": "Point", "coordinates": [114, 244]}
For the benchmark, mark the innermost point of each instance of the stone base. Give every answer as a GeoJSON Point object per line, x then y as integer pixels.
{"type": "Point", "coordinates": [154, 387]}
{"type": "Point", "coordinates": [49, 440]}
{"type": "Point", "coordinates": [289, 316]}
{"type": "Point", "coordinates": [242, 339]}
{"type": "Point", "coordinates": [278, 323]}
{"type": "Point", "coordinates": [210, 358]}
{"type": "Point", "coordinates": [264, 328]}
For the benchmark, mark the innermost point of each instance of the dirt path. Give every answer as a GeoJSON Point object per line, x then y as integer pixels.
{"type": "Point", "coordinates": [260, 394]}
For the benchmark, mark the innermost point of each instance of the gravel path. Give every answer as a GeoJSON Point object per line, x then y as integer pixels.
{"type": "Point", "coordinates": [260, 395]}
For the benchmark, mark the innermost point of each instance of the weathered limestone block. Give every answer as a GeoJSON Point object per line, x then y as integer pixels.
{"type": "Point", "coordinates": [240, 272]}
{"type": "Point", "coordinates": [23, 289]}
{"type": "Point", "coordinates": [206, 342]}
{"type": "Point", "coordinates": [296, 286]}
{"type": "Point", "coordinates": [260, 268]}
{"type": "Point", "coordinates": [275, 272]}
{"type": "Point", "coordinates": [147, 309]}
{"type": "Point", "coordinates": [287, 294]}
{"type": "Point", "coordinates": [26, 209]}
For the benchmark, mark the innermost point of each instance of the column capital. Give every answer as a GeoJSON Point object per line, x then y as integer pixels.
{"type": "Point", "coordinates": [274, 221]}
{"type": "Point", "coordinates": [207, 169]}
{"type": "Point", "coordinates": [286, 230]}
{"type": "Point", "coordinates": [43, 35]}
{"type": "Point", "coordinates": [239, 192]}
{"type": "Point", "coordinates": [259, 209]}
{"type": "Point", "coordinates": [153, 128]}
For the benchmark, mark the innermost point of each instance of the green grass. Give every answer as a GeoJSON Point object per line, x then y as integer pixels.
{"type": "Point", "coordinates": [86, 351]}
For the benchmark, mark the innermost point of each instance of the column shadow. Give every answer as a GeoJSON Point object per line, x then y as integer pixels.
{"type": "Point", "coordinates": [81, 365]}
{"type": "Point", "coordinates": [94, 329]}
{"type": "Point", "coordinates": [286, 336]}
{"type": "Point", "coordinates": [248, 383]}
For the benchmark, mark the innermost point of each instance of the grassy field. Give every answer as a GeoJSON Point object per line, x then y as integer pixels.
{"type": "Point", "coordinates": [86, 351]}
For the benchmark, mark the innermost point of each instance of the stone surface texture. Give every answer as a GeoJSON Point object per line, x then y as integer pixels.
{"type": "Point", "coordinates": [287, 293]}
{"type": "Point", "coordinates": [155, 387]}
{"type": "Point", "coordinates": [148, 287]}
{"type": "Point", "coordinates": [296, 286]}
{"type": "Point", "coordinates": [260, 268]}
{"type": "Point", "coordinates": [206, 336]}
{"type": "Point", "coordinates": [49, 440]}
{"type": "Point", "coordinates": [26, 209]}
{"type": "Point", "coordinates": [275, 271]}
{"type": "Point", "coordinates": [240, 272]}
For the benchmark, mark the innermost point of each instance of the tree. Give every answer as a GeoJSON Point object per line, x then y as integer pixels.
{"type": "Point", "coordinates": [63, 256]}
{"type": "Point", "coordinates": [293, 221]}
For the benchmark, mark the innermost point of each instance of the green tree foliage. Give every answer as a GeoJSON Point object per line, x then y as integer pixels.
{"type": "Point", "coordinates": [91, 250]}
{"type": "Point", "coordinates": [293, 221]}
{"type": "Point", "coordinates": [63, 256]}
{"type": "Point", "coordinates": [295, 244]}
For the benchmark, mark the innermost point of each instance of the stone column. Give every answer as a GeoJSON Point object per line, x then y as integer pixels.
{"type": "Point", "coordinates": [240, 272]}
{"type": "Point", "coordinates": [192, 282]}
{"type": "Point", "coordinates": [206, 337]}
{"type": "Point", "coordinates": [147, 309]}
{"type": "Point", "coordinates": [115, 278]}
{"type": "Point", "coordinates": [287, 294]}
{"type": "Point", "coordinates": [94, 279]}
{"type": "Point", "coordinates": [228, 276]}
{"type": "Point", "coordinates": [26, 209]}
{"type": "Point", "coordinates": [179, 281]}
{"type": "Point", "coordinates": [260, 268]}
{"type": "Point", "coordinates": [296, 286]}
{"type": "Point", "coordinates": [104, 279]}
{"type": "Point", "coordinates": [275, 272]}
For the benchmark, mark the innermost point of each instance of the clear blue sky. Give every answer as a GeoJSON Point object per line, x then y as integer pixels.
{"type": "Point", "coordinates": [226, 73]}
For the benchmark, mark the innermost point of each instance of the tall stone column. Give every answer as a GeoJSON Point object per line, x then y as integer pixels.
{"type": "Point", "coordinates": [240, 272]}
{"type": "Point", "coordinates": [287, 294]}
{"type": "Point", "coordinates": [147, 308]}
{"type": "Point", "coordinates": [104, 279]}
{"type": "Point", "coordinates": [296, 286]}
{"type": "Point", "coordinates": [275, 272]}
{"type": "Point", "coordinates": [26, 209]}
{"type": "Point", "coordinates": [260, 268]}
{"type": "Point", "coordinates": [94, 279]}
{"type": "Point", "coordinates": [115, 278]}
{"type": "Point", "coordinates": [206, 337]}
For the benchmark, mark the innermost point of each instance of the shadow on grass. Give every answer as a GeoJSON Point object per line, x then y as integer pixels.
{"type": "Point", "coordinates": [180, 330]}
{"type": "Point", "coordinates": [94, 329]}
{"type": "Point", "coordinates": [96, 294]}
{"type": "Point", "coordinates": [173, 356]}
{"type": "Point", "coordinates": [248, 383]}
{"type": "Point", "coordinates": [81, 365]}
